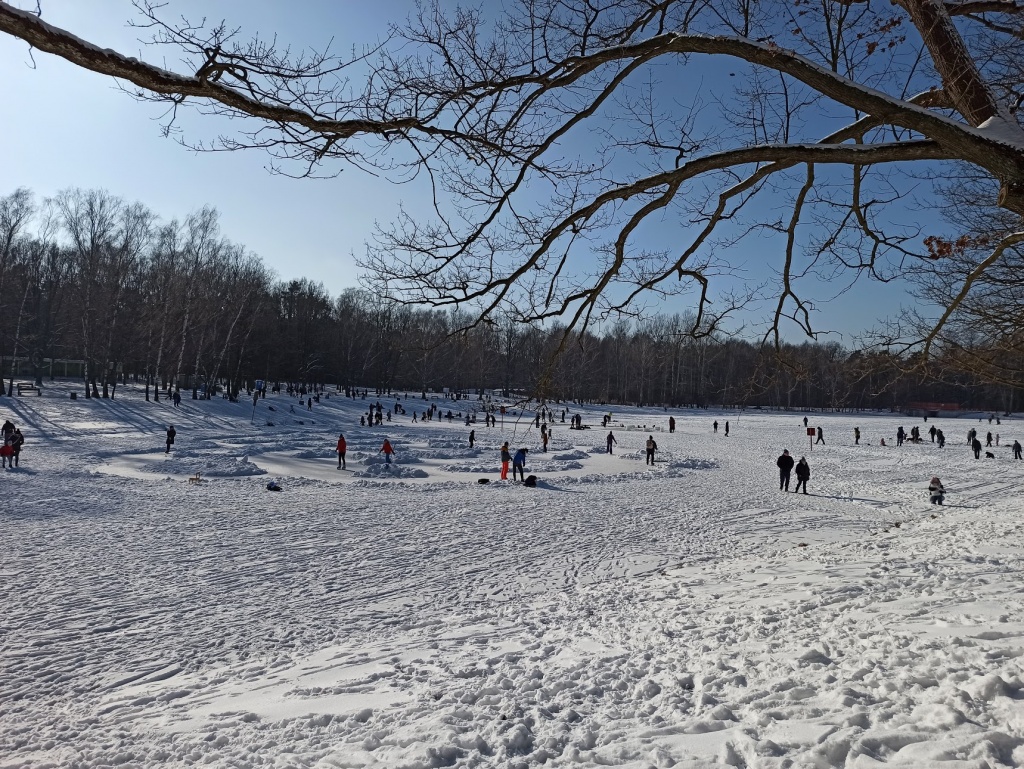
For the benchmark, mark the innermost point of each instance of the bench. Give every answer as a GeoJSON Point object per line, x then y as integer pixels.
{"type": "Point", "coordinates": [28, 387]}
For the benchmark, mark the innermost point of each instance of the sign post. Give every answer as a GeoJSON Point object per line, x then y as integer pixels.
{"type": "Point", "coordinates": [811, 432]}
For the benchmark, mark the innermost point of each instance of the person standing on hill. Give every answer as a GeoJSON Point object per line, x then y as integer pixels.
{"type": "Point", "coordinates": [472, 438]}
{"type": "Point", "coordinates": [651, 448]}
{"type": "Point", "coordinates": [387, 450]}
{"type": "Point", "coordinates": [932, 432]}
{"type": "Point", "coordinates": [976, 447]}
{"type": "Point", "coordinates": [856, 436]}
{"type": "Point", "coordinates": [785, 465]}
{"type": "Point", "coordinates": [988, 440]}
{"type": "Point", "coordinates": [506, 458]}
{"type": "Point", "coordinates": [610, 440]}
{"type": "Point", "coordinates": [170, 438]}
{"type": "Point", "coordinates": [519, 464]}
{"type": "Point", "coordinates": [936, 491]}
{"type": "Point", "coordinates": [342, 448]}
{"type": "Point", "coordinates": [715, 425]}
{"type": "Point", "coordinates": [671, 424]}
{"type": "Point", "coordinates": [1016, 450]}
{"type": "Point", "coordinates": [803, 474]}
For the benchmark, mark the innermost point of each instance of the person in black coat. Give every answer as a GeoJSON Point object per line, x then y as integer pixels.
{"type": "Point", "coordinates": [170, 438]}
{"type": "Point", "coordinates": [976, 446]}
{"type": "Point", "coordinates": [803, 474]}
{"type": "Point", "coordinates": [785, 465]}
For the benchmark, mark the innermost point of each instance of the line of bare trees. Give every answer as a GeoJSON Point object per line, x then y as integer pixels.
{"type": "Point", "coordinates": [175, 305]}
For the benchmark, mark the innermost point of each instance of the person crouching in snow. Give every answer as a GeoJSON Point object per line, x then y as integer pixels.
{"type": "Point", "coordinates": [387, 450]}
{"type": "Point", "coordinates": [936, 490]}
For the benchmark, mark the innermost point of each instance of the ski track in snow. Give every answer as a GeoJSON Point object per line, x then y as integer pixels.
{"type": "Point", "coordinates": [691, 615]}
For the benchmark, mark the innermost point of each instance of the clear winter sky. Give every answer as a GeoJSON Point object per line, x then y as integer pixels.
{"type": "Point", "coordinates": [61, 127]}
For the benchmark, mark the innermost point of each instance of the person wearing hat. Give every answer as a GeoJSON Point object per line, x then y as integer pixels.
{"type": "Point", "coordinates": [803, 474]}
{"type": "Point", "coordinates": [519, 463]}
{"type": "Point", "coordinates": [506, 457]}
{"type": "Point", "coordinates": [785, 465]}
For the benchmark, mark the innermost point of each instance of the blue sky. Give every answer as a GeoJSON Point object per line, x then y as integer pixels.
{"type": "Point", "coordinates": [65, 127]}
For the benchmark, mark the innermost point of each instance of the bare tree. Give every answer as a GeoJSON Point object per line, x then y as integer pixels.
{"type": "Point", "coordinates": [552, 144]}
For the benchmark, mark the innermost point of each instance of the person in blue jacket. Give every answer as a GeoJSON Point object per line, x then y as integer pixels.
{"type": "Point", "coordinates": [518, 463]}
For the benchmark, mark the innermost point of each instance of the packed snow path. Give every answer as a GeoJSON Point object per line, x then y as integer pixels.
{"type": "Point", "coordinates": [688, 615]}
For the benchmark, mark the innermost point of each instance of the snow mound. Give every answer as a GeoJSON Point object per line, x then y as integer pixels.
{"type": "Point", "coordinates": [317, 454]}
{"type": "Point", "coordinates": [390, 471]}
{"type": "Point", "coordinates": [470, 468]}
{"type": "Point", "coordinates": [406, 458]}
{"type": "Point", "coordinates": [693, 464]}
{"type": "Point", "coordinates": [449, 453]}
{"type": "Point", "coordinates": [572, 455]}
{"type": "Point", "coordinates": [212, 467]}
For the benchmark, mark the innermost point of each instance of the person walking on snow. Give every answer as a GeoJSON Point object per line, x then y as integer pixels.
{"type": "Point", "coordinates": [671, 424]}
{"type": "Point", "coordinates": [803, 474]}
{"type": "Point", "coordinates": [785, 465]}
{"type": "Point", "coordinates": [932, 432]}
{"type": "Point", "coordinates": [936, 492]}
{"type": "Point", "coordinates": [1016, 450]}
{"type": "Point", "coordinates": [976, 447]}
{"type": "Point", "coordinates": [17, 441]}
{"type": "Point", "coordinates": [610, 440]}
{"type": "Point", "coordinates": [856, 436]}
{"type": "Point", "coordinates": [821, 437]}
{"type": "Point", "coordinates": [170, 438]}
{"type": "Point", "coordinates": [387, 450]}
{"type": "Point", "coordinates": [472, 438]}
{"type": "Point", "coordinates": [941, 438]}
{"type": "Point", "coordinates": [519, 463]}
{"type": "Point", "coordinates": [900, 435]}
{"type": "Point", "coordinates": [716, 425]}
{"type": "Point", "coordinates": [342, 448]}
{"type": "Point", "coordinates": [727, 428]}
{"type": "Point", "coordinates": [651, 448]}
{"type": "Point", "coordinates": [506, 457]}
{"type": "Point", "coordinates": [805, 422]}
{"type": "Point", "coordinates": [988, 440]}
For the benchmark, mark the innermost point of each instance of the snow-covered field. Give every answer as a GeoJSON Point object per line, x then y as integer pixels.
{"type": "Point", "coordinates": [690, 615]}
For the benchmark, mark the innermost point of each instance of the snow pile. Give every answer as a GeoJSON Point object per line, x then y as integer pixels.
{"type": "Point", "coordinates": [570, 455]}
{"type": "Point", "coordinates": [381, 470]}
{"type": "Point", "coordinates": [211, 467]}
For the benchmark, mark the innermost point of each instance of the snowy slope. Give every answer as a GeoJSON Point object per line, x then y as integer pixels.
{"type": "Point", "coordinates": [690, 615]}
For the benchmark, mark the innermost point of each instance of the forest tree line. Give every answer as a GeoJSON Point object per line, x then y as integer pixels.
{"type": "Point", "coordinates": [176, 305]}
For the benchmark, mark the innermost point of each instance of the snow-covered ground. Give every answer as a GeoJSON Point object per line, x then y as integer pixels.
{"type": "Point", "coordinates": [687, 615]}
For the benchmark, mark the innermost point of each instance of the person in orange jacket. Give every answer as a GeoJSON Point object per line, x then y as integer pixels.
{"type": "Point", "coordinates": [506, 457]}
{"type": "Point", "coordinates": [387, 450]}
{"type": "Point", "coordinates": [342, 447]}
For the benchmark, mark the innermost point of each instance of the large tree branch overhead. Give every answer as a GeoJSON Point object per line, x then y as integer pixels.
{"type": "Point", "coordinates": [556, 133]}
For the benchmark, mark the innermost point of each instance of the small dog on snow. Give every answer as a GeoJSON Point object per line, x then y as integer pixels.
{"type": "Point", "coordinates": [989, 455]}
